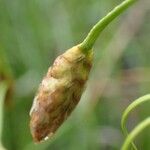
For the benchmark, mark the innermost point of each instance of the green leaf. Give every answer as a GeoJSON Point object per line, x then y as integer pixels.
{"type": "Point", "coordinates": [129, 109]}
{"type": "Point", "coordinates": [3, 90]}
{"type": "Point", "coordinates": [133, 134]}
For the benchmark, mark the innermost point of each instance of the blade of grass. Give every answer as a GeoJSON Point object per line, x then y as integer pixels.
{"type": "Point", "coordinates": [3, 90]}
{"type": "Point", "coordinates": [130, 108]}
{"type": "Point", "coordinates": [138, 129]}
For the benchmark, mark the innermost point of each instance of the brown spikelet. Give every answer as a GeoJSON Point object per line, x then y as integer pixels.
{"type": "Point", "coordinates": [59, 92]}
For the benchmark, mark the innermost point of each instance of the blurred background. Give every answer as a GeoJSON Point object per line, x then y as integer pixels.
{"type": "Point", "coordinates": [34, 32]}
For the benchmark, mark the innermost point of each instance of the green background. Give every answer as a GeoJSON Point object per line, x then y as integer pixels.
{"type": "Point", "coordinates": [34, 32]}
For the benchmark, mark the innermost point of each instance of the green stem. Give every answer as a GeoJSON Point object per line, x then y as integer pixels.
{"type": "Point", "coordinates": [131, 107]}
{"type": "Point", "coordinates": [3, 90]}
{"type": "Point", "coordinates": [135, 132]}
{"type": "Point", "coordinates": [89, 41]}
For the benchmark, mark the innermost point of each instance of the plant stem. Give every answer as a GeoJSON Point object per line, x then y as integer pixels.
{"type": "Point", "coordinates": [89, 41]}
{"type": "Point", "coordinates": [135, 132]}
{"type": "Point", "coordinates": [3, 90]}
{"type": "Point", "coordinates": [131, 107]}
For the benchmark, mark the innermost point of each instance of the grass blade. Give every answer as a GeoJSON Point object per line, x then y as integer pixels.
{"type": "Point", "coordinates": [130, 108]}
{"type": "Point", "coordinates": [139, 128]}
{"type": "Point", "coordinates": [3, 89]}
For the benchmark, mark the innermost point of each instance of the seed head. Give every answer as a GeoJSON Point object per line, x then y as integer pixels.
{"type": "Point", "coordinates": [59, 92]}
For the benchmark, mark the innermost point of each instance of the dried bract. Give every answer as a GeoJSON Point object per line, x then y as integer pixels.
{"type": "Point", "coordinates": [59, 92]}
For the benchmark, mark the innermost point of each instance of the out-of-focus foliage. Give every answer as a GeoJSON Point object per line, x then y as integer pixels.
{"type": "Point", "coordinates": [34, 32]}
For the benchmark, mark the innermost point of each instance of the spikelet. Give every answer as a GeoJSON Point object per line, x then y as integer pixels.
{"type": "Point", "coordinates": [59, 92]}
{"type": "Point", "coordinates": [62, 87]}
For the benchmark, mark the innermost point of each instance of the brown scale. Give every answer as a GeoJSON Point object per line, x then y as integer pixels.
{"type": "Point", "coordinates": [59, 92]}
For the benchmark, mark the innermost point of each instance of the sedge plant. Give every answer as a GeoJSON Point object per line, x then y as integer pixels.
{"type": "Point", "coordinates": [63, 85]}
